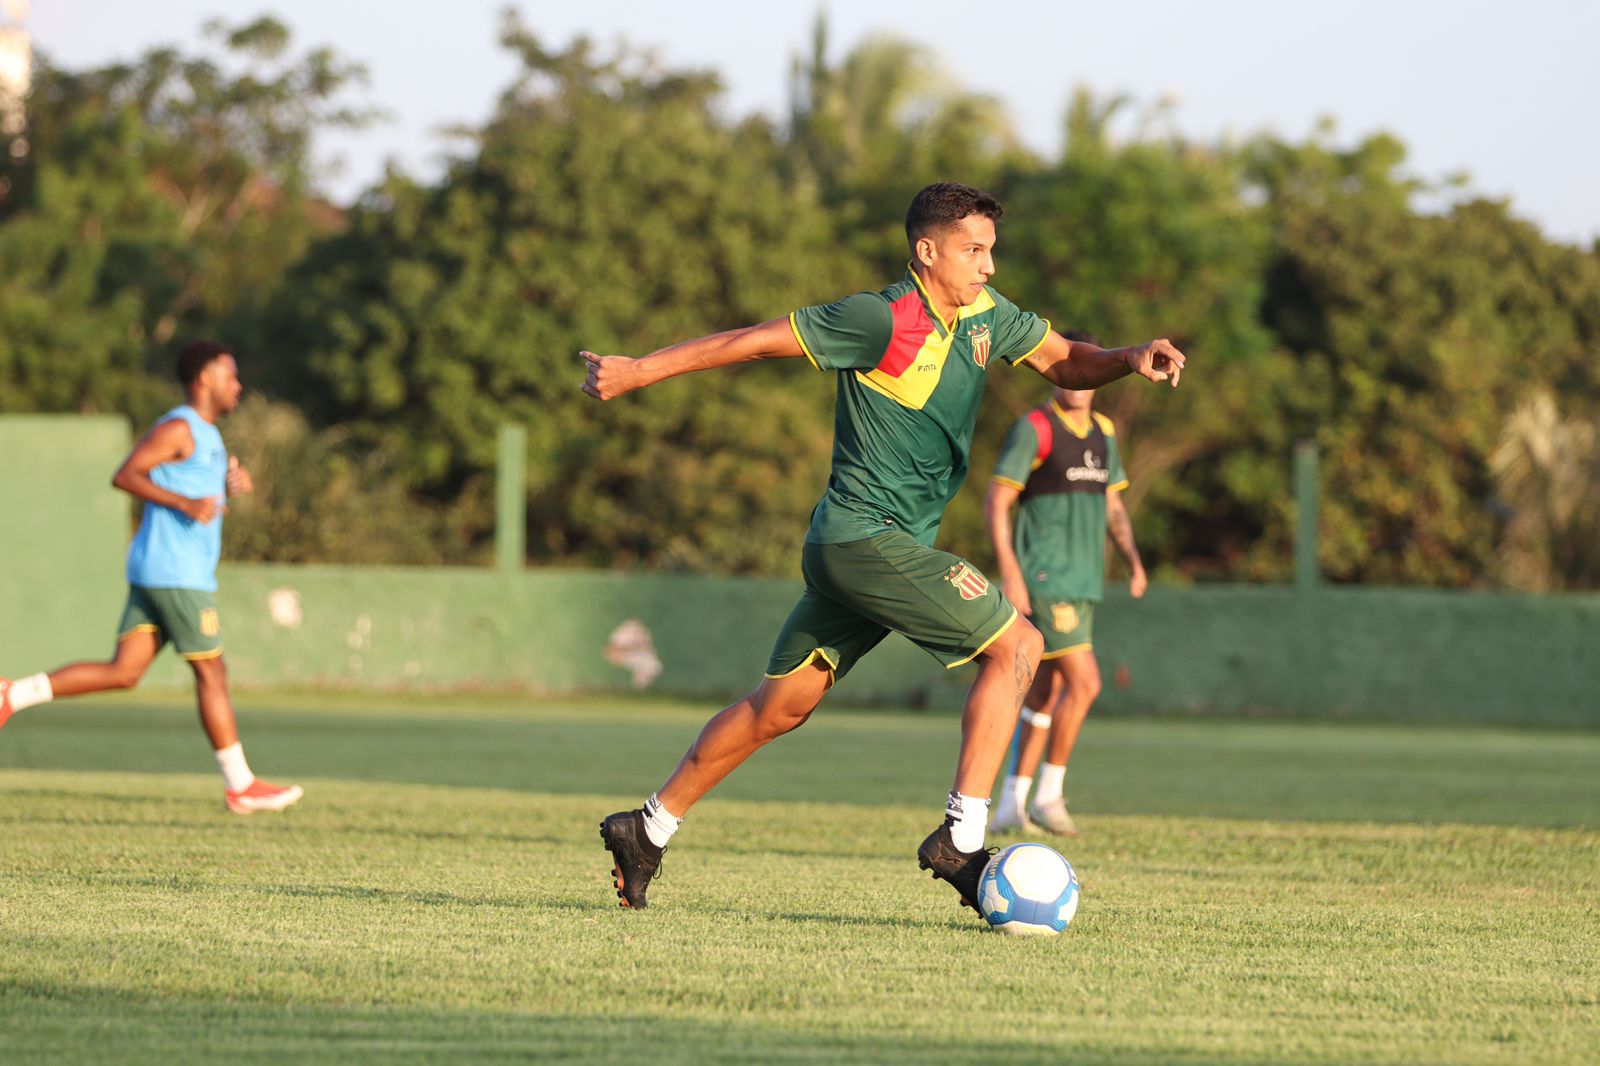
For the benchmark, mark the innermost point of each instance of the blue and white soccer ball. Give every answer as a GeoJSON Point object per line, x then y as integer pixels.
{"type": "Point", "coordinates": [1029, 890]}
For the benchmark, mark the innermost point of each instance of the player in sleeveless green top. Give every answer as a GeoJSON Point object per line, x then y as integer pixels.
{"type": "Point", "coordinates": [910, 361]}
{"type": "Point", "coordinates": [181, 470]}
{"type": "Point", "coordinates": [1062, 462]}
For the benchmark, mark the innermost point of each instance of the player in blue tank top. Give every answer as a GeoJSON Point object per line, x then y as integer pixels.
{"type": "Point", "coordinates": [173, 549]}
{"type": "Point", "coordinates": [182, 472]}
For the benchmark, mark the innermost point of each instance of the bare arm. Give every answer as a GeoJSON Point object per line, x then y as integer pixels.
{"type": "Point", "coordinates": [1080, 365]}
{"type": "Point", "coordinates": [170, 442]}
{"type": "Point", "coordinates": [997, 505]}
{"type": "Point", "coordinates": [1120, 527]}
{"type": "Point", "coordinates": [610, 376]}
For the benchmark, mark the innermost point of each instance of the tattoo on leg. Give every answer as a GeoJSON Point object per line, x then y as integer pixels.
{"type": "Point", "coordinates": [1024, 676]}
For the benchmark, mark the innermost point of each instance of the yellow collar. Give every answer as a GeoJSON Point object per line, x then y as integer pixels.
{"type": "Point", "coordinates": [1067, 419]}
{"type": "Point", "coordinates": [927, 300]}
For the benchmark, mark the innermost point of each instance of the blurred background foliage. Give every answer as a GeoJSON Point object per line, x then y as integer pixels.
{"type": "Point", "coordinates": [1444, 360]}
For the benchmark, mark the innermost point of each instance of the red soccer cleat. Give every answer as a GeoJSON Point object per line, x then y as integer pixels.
{"type": "Point", "coordinates": [5, 700]}
{"type": "Point", "coordinates": [261, 796]}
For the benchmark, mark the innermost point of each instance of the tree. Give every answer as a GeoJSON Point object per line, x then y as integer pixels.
{"type": "Point", "coordinates": [160, 199]}
{"type": "Point", "coordinates": [883, 122]}
{"type": "Point", "coordinates": [606, 206]}
{"type": "Point", "coordinates": [1409, 332]}
{"type": "Point", "coordinates": [318, 498]}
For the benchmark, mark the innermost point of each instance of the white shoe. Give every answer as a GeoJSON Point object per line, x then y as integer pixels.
{"type": "Point", "coordinates": [261, 796]}
{"type": "Point", "coordinates": [1053, 817]}
{"type": "Point", "coordinates": [1008, 819]}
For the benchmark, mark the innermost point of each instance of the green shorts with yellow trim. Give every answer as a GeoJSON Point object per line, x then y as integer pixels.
{"type": "Point", "coordinates": [860, 591]}
{"type": "Point", "coordinates": [1067, 625]}
{"type": "Point", "coordinates": [187, 617]}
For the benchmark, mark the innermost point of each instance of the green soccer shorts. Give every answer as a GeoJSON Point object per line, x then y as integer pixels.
{"type": "Point", "coordinates": [1067, 625]}
{"type": "Point", "coordinates": [187, 617]}
{"type": "Point", "coordinates": [857, 592]}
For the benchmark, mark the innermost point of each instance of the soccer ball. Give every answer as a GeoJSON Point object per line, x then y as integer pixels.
{"type": "Point", "coordinates": [1029, 890]}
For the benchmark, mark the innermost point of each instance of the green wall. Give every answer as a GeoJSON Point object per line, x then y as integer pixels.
{"type": "Point", "coordinates": [1401, 653]}
{"type": "Point", "coordinates": [63, 534]}
{"type": "Point", "coordinates": [541, 630]}
{"type": "Point", "coordinates": [1397, 653]}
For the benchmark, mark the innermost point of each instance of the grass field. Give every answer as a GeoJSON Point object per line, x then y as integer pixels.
{"type": "Point", "coordinates": [1253, 892]}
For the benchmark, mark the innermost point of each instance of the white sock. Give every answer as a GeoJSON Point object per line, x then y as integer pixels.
{"type": "Point", "coordinates": [659, 823]}
{"type": "Point", "coordinates": [27, 691]}
{"type": "Point", "coordinates": [235, 771]}
{"type": "Point", "coordinates": [1051, 780]}
{"type": "Point", "coordinates": [1037, 719]}
{"type": "Point", "coordinates": [969, 817]}
{"type": "Point", "coordinates": [1014, 793]}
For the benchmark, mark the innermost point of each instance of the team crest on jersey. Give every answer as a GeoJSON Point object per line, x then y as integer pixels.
{"type": "Point", "coordinates": [1063, 617]}
{"type": "Point", "coordinates": [979, 336]}
{"type": "Point", "coordinates": [967, 581]}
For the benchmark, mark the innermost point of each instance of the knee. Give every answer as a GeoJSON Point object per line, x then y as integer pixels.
{"type": "Point", "coordinates": [210, 673]}
{"type": "Point", "coordinates": [775, 717]}
{"type": "Point", "coordinates": [1084, 691]}
{"type": "Point", "coordinates": [1030, 644]}
{"type": "Point", "coordinates": [126, 674]}
{"type": "Point", "coordinates": [1018, 649]}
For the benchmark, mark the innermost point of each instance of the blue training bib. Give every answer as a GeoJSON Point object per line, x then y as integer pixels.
{"type": "Point", "coordinates": [172, 550]}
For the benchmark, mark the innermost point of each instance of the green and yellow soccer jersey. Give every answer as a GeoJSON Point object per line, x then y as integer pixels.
{"type": "Point", "coordinates": [1064, 473]}
{"type": "Point", "coordinates": [909, 386]}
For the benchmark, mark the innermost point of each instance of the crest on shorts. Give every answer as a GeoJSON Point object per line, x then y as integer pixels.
{"type": "Point", "coordinates": [210, 625]}
{"type": "Point", "coordinates": [1063, 617]}
{"type": "Point", "coordinates": [967, 581]}
{"type": "Point", "coordinates": [979, 336]}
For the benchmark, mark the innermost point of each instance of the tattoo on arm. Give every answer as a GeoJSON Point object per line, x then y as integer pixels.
{"type": "Point", "coordinates": [1122, 534]}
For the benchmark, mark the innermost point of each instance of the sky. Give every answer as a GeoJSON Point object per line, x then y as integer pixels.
{"type": "Point", "coordinates": [1508, 94]}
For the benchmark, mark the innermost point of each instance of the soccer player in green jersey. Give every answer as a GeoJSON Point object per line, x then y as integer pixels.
{"type": "Point", "coordinates": [910, 362]}
{"type": "Point", "coordinates": [1061, 461]}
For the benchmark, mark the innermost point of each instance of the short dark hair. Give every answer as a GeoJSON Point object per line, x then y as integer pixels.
{"type": "Point", "coordinates": [943, 204]}
{"type": "Point", "coordinates": [1085, 336]}
{"type": "Point", "coordinates": [195, 356]}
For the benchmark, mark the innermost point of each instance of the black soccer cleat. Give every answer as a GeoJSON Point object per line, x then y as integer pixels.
{"type": "Point", "coordinates": [963, 869]}
{"type": "Point", "coordinates": [635, 860]}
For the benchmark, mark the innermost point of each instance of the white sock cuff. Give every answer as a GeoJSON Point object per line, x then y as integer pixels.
{"type": "Point", "coordinates": [29, 691]}
{"type": "Point", "coordinates": [1015, 790]}
{"type": "Point", "coordinates": [235, 771]}
{"type": "Point", "coordinates": [969, 817]}
{"type": "Point", "coordinates": [1052, 779]}
{"type": "Point", "coordinates": [659, 823]}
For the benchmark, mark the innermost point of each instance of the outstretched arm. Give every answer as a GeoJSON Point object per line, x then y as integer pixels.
{"type": "Point", "coordinates": [609, 376]}
{"type": "Point", "coordinates": [1080, 365]}
{"type": "Point", "coordinates": [1120, 526]}
{"type": "Point", "coordinates": [170, 442]}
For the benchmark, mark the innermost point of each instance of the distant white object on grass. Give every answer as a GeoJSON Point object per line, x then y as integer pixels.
{"type": "Point", "coordinates": [284, 607]}
{"type": "Point", "coordinates": [631, 648]}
